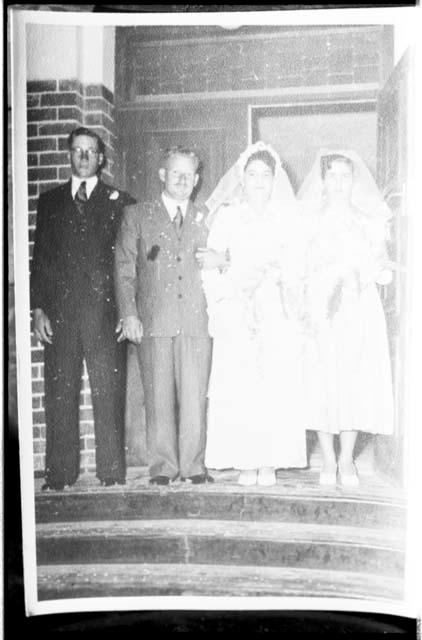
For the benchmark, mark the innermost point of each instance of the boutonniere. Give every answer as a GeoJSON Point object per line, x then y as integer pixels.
{"type": "Point", "coordinates": [113, 195]}
{"type": "Point", "coordinates": [199, 217]}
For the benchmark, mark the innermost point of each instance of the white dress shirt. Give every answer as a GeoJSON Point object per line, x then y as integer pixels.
{"type": "Point", "coordinates": [171, 206]}
{"type": "Point", "coordinates": [90, 185]}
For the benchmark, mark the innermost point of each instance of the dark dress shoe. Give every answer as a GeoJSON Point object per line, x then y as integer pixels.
{"type": "Point", "coordinates": [109, 482]}
{"type": "Point", "coordinates": [201, 478]}
{"type": "Point", "coordinates": [161, 480]}
{"type": "Point", "coordinates": [53, 486]}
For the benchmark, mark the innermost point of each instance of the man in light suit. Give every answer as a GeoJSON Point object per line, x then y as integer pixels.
{"type": "Point", "coordinates": [72, 295]}
{"type": "Point", "coordinates": [163, 309]}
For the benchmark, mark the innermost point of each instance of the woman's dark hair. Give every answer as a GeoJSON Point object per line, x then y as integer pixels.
{"type": "Point", "coordinates": [327, 162]}
{"type": "Point", "coordinates": [264, 156]}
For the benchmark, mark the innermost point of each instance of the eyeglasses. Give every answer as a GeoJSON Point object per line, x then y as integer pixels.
{"type": "Point", "coordinates": [77, 151]}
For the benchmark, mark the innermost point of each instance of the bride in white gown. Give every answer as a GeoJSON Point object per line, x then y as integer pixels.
{"type": "Point", "coordinates": [255, 421]}
{"type": "Point", "coordinates": [349, 385]}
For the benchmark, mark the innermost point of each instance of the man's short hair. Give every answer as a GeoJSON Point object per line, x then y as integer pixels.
{"type": "Point", "coordinates": [84, 131]}
{"type": "Point", "coordinates": [180, 151]}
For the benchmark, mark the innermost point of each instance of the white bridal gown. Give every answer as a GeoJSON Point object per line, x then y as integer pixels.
{"type": "Point", "coordinates": [256, 389]}
{"type": "Point", "coordinates": [348, 363]}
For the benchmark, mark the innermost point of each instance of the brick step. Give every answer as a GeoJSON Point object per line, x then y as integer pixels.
{"type": "Point", "coordinates": [282, 503]}
{"type": "Point", "coordinates": [126, 580]}
{"type": "Point", "coordinates": [313, 546]}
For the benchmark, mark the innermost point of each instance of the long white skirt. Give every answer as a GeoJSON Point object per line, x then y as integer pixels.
{"type": "Point", "coordinates": [348, 371]}
{"type": "Point", "coordinates": [255, 413]}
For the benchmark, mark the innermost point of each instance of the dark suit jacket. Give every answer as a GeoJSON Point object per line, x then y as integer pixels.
{"type": "Point", "coordinates": [157, 277]}
{"type": "Point", "coordinates": [73, 258]}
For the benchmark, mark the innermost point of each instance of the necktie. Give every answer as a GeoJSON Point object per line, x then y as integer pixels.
{"type": "Point", "coordinates": [81, 197]}
{"type": "Point", "coordinates": [81, 192]}
{"type": "Point", "coordinates": [178, 221]}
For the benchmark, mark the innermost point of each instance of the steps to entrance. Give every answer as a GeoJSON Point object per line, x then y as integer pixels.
{"type": "Point", "coordinates": [233, 543]}
{"type": "Point", "coordinates": [292, 539]}
{"type": "Point", "coordinates": [221, 503]}
{"type": "Point", "coordinates": [126, 580]}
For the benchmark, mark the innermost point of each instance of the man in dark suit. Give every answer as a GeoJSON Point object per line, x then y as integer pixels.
{"type": "Point", "coordinates": [72, 295]}
{"type": "Point", "coordinates": [162, 307]}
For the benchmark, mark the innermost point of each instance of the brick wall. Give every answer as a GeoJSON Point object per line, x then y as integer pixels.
{"type": "Point", "coordinates": [54, 108]}
{"type": "Point", "coordinates": [287, 58]}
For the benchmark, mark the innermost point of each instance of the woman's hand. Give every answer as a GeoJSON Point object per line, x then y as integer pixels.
{"type": "Point", "coordinates": [210, 258]}
{"type": "Point", "coordinates": [292, 300]}
{"type": "Point", "coordinates": [384, 277]}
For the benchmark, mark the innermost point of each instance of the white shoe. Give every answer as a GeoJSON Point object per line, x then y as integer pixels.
{"type": "Point", "coordinates": [247, 477]}
{"type": "Point", "coordinates": [266, 477]}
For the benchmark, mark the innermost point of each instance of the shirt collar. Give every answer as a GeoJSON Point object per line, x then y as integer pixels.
{"type": "Point", "coordinates": [90, 184]}
{"type": "Point", "coordinates": [171, 205]}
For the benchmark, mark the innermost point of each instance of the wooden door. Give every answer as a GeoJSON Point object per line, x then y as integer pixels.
{"type": "Point", "coordinates": [392, 170]}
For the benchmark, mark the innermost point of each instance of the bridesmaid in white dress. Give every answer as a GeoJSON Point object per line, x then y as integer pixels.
{"type": "Point", "coordinates": [255, 421]}
{"type": "Point", "coordinates": [349, 386]}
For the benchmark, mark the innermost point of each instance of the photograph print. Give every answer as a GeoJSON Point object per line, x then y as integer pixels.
{"type": "Point", "coordinates": [213, 286]}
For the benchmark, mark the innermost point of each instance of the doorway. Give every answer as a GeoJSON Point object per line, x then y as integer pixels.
{"type": "Point", "coordinates": [298, 131]}
{"type": "Point", "coordinates": [377, 130]}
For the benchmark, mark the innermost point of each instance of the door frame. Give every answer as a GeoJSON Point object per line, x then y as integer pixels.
{"type": "Point", "coordinates": [317, 105]}
{"type": "Point", "coordinates": [392, 455]}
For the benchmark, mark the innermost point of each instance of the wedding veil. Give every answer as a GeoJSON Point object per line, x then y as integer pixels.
{"type": "Point", "coordinates": [365, 194]}
{"type": "Point", "coordinates": [229, 190]}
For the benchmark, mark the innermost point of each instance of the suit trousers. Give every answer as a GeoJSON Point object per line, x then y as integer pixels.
{"type": "Point", "coordinates": [88, 335]}
{"type": "Point", "coordinates": [175, 373]}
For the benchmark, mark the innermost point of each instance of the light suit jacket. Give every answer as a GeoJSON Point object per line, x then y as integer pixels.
{"type": "Point", "coordinates": [156, 275]}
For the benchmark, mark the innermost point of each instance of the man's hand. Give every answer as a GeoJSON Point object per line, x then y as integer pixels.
{"type": "Point", "coordinates": [42, 326]}
{"type": "Point", "coordinates": [211, 259]}
{"type": "Point", "coordinates": [130, 328]}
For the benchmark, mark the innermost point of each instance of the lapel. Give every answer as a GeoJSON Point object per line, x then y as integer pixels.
{"type": "Point", "coordinates": [162, 218]}
{"type": "Point", "coordinates": [165, 220]}
{"type": "Point", "coordinates": [188, 228]}
{"type": "Point", "coordinates": [67, 194]}
{"type": "Point", "coordinates": [190, 212]}
{"type": "Point", "coordinates": [67, 205]}
{"type": "Point", "coordinates": [100, 192]}
{"type": "Point", "coordinates": [100, 212]}
{"type": "Point", "coordinates": [97, 199]}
